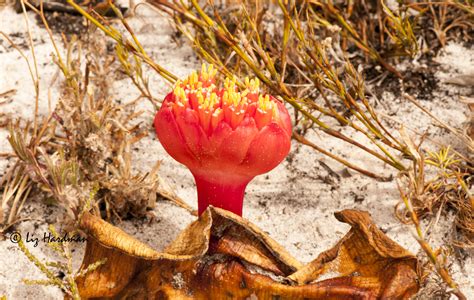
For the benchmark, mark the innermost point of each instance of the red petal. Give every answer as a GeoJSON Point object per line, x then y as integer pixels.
{"type": "Point", "coordinates": [168, 98]}
{"type": "Point", "coordinates": [195, 137]}
{"type": "Point", "coordinates": [170, 136]}
{"type": "Point", "coordinates": [222, 131]}
{"type": "Point", "coordinates": [285, 120]}
{"type": "Point", "coordinates": [268, 149]}
{"type": "Point", "coordinates": [235, 146]}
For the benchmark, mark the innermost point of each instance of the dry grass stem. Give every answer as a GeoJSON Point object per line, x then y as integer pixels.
{"type": "Point", "coordinates": [16, 189]}
{"type": "Point", "coordinates": [87, 140]}
{"type": "Point", "coordinates": [315, 77]}
{"type": "Point", "coordinates": [426, 196]}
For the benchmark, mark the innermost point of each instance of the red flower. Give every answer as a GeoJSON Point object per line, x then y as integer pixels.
{"type": "Point", "coordinates": [224, 135]}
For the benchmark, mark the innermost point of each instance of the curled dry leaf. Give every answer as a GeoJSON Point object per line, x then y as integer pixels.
{"type": "Point", "coordinates": [222, 255]}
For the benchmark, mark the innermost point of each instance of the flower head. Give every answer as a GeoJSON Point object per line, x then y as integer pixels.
{"type": "Point", "coordinates": [223, 134]}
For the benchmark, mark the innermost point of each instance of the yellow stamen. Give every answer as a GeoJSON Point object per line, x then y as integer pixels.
{"type": "Point", "coordinates": [193, 79]}
{"type": "Point", "coordinates": [253, 85]}
{"type": "Point", "coordinates": [264, 103]}
{"type": "Point", "coordinates": [180, 94]}
{"type": "Point", "coordinates": [208, 72]}
{"type": "Point", "coordinates": [213, 100]}
{"type": "Point", "coordinates": [200, 98]}
{"type": "Point", "coordinates": [204, 74]}
{"type": "Point", "coordinates": [229, 84]}
{"type": "Point", "coordinates": [199, 92]}
{"type": "Point", "coordinates": [225, 98]}
{"type": "Point", "coordinates": [275, 112]}
{"type": "Point", "coordinates": [236, 99]}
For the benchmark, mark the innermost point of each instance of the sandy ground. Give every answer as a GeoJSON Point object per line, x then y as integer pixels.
{"type": "Point", "coordinates": [294, 203]}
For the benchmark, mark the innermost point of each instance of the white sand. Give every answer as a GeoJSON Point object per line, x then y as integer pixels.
{"type": "Point", "coordinates": [292, 203]}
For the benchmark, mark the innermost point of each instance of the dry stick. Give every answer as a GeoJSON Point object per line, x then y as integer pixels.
{"type": "Point", "coordinates": [438, 143]}
{"type": "Point", "coordinates": [304, 141]}
{"type": "Point", "coordinates": [134, 48]}
{"type": "Point", "coordinates": [178, 201]}
{"type": "Point", "coordinates": [7, 94]}
{"type": "Point", "coordinates": [22, 190]}
{"type": "Point", "coordinates": [61, 64]}
{"type": "Point", "coordinates": [22, 54]}
{"type": "Point", "coordinates": [440, 268]}
{"type": "Point", "coordinates": [146, 92]}
{"type": "Point", "coordinates": [469, 142]}
{"type": "Point", "coordinates": [350, 103]}
{"type": "Point", "coordinates": [360, 43]}
{"type": "Point", "coordinates": [6, 154]}
{"type": "Point", "coordinates": [36, 80]}
{"type": "Point", "coordinates": [347, 99]}
{"type": "Point", "coordinates": [16, 190]}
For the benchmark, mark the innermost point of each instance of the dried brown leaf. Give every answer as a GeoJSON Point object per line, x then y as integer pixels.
{"type": "Point", "coordinates": [222, 254]}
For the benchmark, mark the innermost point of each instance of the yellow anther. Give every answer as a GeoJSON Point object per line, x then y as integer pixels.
{"type": "Point", "coordinates": [179, 93]}
{"type": "Point", "coordinates": [256, 84]}
{"type": "Point", "coordinates": [232, 98]}
{"type": "Point", "coordinates": [213, 100]}
{"type": "Point", "coordinates": [192, 79]}
{"type": "Point", "coordinates": [176, 90]}
{"type": "Point", "coordinates": [252, 84]}
{"type": "Point", "coordinates": [243, 101]}
{"type": "Point", "coordinates": [264, 103]}
{"type": "Point", "coordinates": [275, 112]}
{"type": "Point", "coordinates": [200, 98]}
{"type": "Point", "coordinates": [236, 99]}
{"type": "Point", "coordinates": [212, 72]}
{"type": "Point", "coordinates": [225, 98]}
{"type": "Point", "coordinates": [260, 102]}
{"type": "Point", "coordinates": [204, 73]}
{"type": "Point", "coordinates": [207, 72]}
{"type": "Point", "coordinates": [229, 83]}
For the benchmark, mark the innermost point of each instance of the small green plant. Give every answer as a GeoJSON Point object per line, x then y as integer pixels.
{"type": "Point", "coordinates": [400, 30]}
{"type": "Point", "coordinates": [61, 273]}
{"type": "Point", "coordinates": [421, 196]}
{"type": "Point", "coordinates": [58, 273]}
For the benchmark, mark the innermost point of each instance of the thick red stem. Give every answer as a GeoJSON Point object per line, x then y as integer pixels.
{"type": "Point", "coordinates": [222, 194]}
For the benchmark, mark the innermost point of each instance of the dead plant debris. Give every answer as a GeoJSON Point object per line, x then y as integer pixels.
{"type": "Point", "coordinates": [223, 254]}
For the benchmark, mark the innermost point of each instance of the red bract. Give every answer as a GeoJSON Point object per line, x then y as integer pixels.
{"type": "Point", "coordinates": [225, 136]}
